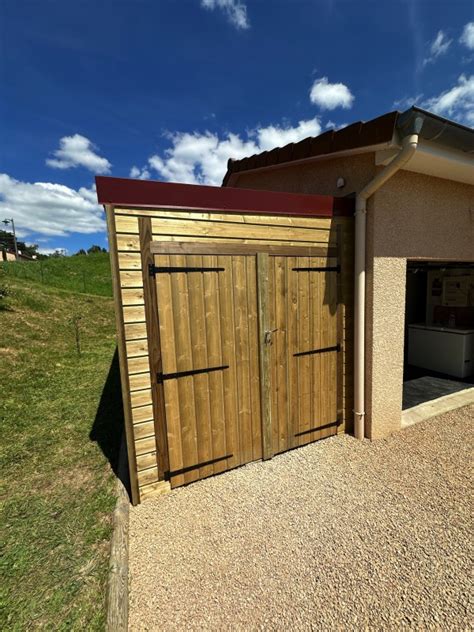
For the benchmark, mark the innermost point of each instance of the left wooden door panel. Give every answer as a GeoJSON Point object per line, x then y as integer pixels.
{"type": "Point", "coordinates": [208, 330]}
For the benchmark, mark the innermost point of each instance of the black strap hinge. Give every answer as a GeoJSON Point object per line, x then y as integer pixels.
{"type": "Point", "coordinates": [154, 270]}
{"type": "Point", "coordinates": [318, 269]}
{"type": "Point", "coordinates": [161, 377]}
{"type": "Point", "coordinates": [314, 351]}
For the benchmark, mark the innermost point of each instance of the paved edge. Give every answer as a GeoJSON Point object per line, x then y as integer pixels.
{"type": "Point", "coordinates": [117, 587]}
{"type": "Point", "coordinates": [436, 407]}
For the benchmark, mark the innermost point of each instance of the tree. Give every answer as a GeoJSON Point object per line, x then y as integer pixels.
{"type": "Point", "coordinates": [94, 249]}
{"type": "Point", "coordinates": [6, 241]}
{"type": "Point", "coordinates": [80, 252]}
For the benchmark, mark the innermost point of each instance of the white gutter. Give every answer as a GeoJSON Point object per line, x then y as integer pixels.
{"type": "Point", "coordinates": [409, 146]}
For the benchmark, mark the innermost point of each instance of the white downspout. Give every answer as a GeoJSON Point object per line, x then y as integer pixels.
{"type": "Point", "coordinates": [409, 145]}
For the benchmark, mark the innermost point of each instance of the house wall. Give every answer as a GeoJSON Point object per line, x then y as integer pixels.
{"type": "Point", "coordinates": [413, 216]}
{"type": "Point", "coordinates": [316, 177]}
{"type": "Point", "coordinates": [130, 234]}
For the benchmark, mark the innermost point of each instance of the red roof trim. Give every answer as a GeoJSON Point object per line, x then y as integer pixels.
{"type": "Point", "coordinates": [148, 193]}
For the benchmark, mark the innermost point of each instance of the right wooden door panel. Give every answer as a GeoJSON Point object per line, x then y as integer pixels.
{"type": "Point", "coordinates": [303, 315]}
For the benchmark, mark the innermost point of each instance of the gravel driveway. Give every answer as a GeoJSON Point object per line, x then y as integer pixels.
{"type": "Point", "coordinates": [340, 534]}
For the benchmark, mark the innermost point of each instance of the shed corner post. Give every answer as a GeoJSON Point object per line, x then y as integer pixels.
{"type": "Point", "coordinates": [122, 353]}
{"type": "Point", "coordinates": [154, 345]}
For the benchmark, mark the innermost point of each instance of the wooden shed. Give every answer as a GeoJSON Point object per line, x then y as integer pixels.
{"type": "Point", "coordinates": [234, 324]}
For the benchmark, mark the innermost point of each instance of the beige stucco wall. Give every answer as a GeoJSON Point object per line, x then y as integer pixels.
{"type": "Point", "coordinates": [413, 216]}
{"type": "Point", "coordinates": [317, 177]}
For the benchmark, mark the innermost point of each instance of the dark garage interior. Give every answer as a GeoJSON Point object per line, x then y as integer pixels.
{"type": "Point", "coordinates": [439, 330]}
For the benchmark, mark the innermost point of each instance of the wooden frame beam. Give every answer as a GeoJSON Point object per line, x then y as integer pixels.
{"type": "Point", "coordinates": [229, 248]}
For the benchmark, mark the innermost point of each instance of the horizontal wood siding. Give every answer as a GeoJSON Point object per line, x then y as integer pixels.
{"type": "Point", "coordinates": [191, 226]}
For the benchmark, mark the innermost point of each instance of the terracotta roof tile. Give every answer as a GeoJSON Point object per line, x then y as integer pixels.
{"type": "Point", "coordinates": [360, 134]}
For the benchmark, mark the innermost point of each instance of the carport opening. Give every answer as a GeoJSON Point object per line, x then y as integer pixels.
{"type": "Point", "coordinates": [439, 330]}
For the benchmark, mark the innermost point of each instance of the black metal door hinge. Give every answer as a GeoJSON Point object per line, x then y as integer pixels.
{"type": "Point", "coordinates": [318, 269]}
{"type": "Point", "coordinates": [313, 351]}
{"type": "Point", "coordinates": [154, 270]}
{"type": "Point", "coordinates": [161, 377]}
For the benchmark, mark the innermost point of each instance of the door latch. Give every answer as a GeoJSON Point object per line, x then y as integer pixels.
{"type": "Point", "coordinates": [268, 335]}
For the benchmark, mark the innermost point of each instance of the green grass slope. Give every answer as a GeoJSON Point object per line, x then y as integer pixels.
{"type": "Point", "coordinates": [89, 274]}
{"type": "Point", "coordinates": [60, 413]}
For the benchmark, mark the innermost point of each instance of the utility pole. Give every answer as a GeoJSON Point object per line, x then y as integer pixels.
{"type": "Point", "coordinates": [10, 221]}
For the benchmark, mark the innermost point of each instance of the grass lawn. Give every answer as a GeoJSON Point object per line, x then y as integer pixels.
{"type": "Point", "coordinates": [85, 273]}
{"type": "Point", "coordinates": [57, 421]}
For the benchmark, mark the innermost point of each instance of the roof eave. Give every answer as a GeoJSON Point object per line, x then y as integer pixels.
{"type": "Point", "coordinates": [231, 177]}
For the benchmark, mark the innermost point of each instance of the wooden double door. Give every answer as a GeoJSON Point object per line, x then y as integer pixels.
{"type": "Point", "coordinates": [249, 344]}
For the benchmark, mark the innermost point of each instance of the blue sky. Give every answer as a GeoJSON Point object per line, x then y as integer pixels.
{"type": "Point", "coordinates": [169, 89]}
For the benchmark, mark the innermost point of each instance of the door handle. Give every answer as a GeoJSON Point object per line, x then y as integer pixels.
{"type": "Point", "coordinates": [268, 336]}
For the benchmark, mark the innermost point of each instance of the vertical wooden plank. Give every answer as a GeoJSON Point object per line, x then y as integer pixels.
{"type": "Point", "coordinates": [281, 354]}
{"type": "Point", "coordinates": [242, 355]}
{"type": "Point", "coordinates": [199, 352]}
{"type": "Point", "coordinates": [184, 360]}
{"type": "Point", "coordinates": [253, 346]}
{"type": "Point", "coordinates": [316, 308]}
{"type": "Point", "coordinates": [227, 331]}
{"type": "Point", "coordinates": [340, 333]}
{"type": "Point", "coordinates": [329, 330]}
{"type": "Point", "coordinates": [303, 362]}
{"type": "Point", "coordinates": [132, 459]}
{"type": "Point", "coordinates": [214, 358]}
{"type": "Point", "coordinates": [333, 342]}
{"type": "Point", "coordinates": [324, 341]}
{"type": "Point", "coordinates": [265, 342]}
{"type": "Point", "coordinates": [292, 348]}
{"type": "Point", "coordinates": [272, 290]}
{"type": "Point", "coordinates": [154, 346]}
{"type": "Point", "coordinates": [168, 354]}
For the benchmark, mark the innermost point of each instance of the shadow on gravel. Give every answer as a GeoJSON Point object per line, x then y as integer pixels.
{"type": "Point", "coordinates": [109, 428]}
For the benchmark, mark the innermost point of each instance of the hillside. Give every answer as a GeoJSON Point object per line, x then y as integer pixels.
{"type": "Point", "coordinates": [89, 274]}
{"type": "Point", "coordinates": [60, 415]}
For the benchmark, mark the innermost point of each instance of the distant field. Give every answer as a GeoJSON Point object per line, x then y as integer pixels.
{"type": "Point", "coordinates": [60, 414]}
{"type": "Point", "coordinates": [89, 274]}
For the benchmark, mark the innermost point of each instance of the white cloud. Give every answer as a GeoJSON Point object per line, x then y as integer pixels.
{"type": "Point", "coordinates": [52, 251]}
{"type": "Point", "coordinates": [439, 46]}
{"type": "Point", "coordinates": [277, 136]}
{"type": "Point", "coordinates": [201, 158]}
{"type": "Point", "coordinates": [78, 151]}
{"type": "Point", "coordinates": [50, 209]}
{"type": "Point", "coordinates": [456, 103]}
{"type": "Point", "coordinates": [235, 11]}
{"type": "Point", "coordinates": [406, 102]}
{"type": "Point", "coordinates": [141, 174]}
{"type": "Point", "coordinates": [329, 96]}
{"type": "Point", "coordinates": [467, 37]}
{"type": "Point", "coordinates": [335, 126]}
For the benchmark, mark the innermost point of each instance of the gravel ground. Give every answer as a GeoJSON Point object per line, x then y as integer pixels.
{"type": "Point", "coordinates": [340, 534]}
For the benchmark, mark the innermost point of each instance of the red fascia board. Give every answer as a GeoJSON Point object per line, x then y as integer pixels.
{"type": "Point", "coordinates": [152, 194]}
